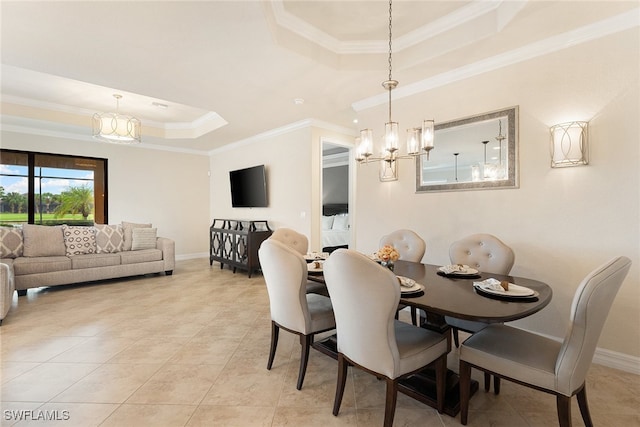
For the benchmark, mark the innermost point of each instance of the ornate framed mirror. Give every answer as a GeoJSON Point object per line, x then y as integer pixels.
{"type": "Point", "coordinates": [473, 153]}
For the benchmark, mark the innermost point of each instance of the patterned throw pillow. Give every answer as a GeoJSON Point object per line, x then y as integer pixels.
{"type": "Point", "coordinates": [109, 238]}
{"type": "Point", "coordinates": [128, 233]}
{"type": "Point", "coordinates": [11, 243]}
{"type": "Point", "coordinates": [79, 240]}
{"type": "Point", "coordinates": [143, 238]}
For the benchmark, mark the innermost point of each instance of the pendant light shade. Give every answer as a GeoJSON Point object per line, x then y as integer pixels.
{"type": "Point", "coordinates": [116, 128]}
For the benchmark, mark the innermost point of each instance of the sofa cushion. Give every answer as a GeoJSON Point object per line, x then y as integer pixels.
{"type": "Point", "coordinates": [79, 240]}
{"type": "Point", "coordinates": [43, 264]}
{"type": "Point", "coordinates": [109, 238]}
{"type": "Point", "coordinates": [145, 255]}
{"type": "Point", "coordinates": [42, 240]}
{"type": "Point", "coordinates": [11, 242]}
{"type": "Point", "coordinates": [94, 260]}
{"type": "Point", "coordinates": [128, 233]}
{"type": "Point", "coordinates": [144, 238]}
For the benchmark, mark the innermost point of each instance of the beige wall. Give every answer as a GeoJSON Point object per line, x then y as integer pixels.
{"type": "Point", "coordinates": [562, 223]}
{"type": "Point", "coordinates": [165, 188]}
{"type": "Point", "coordinates": [287, 159]}
{"type": "Point", "coordinates": [292, 159]}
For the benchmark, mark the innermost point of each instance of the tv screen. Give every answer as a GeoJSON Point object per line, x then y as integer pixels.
{"type": "Point", "coordinates": [248, 187]}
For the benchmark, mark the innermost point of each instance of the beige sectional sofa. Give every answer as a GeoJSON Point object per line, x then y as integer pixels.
{"type": "Point", "coordinates": [35, 255]}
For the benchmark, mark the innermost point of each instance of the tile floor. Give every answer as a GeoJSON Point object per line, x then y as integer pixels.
{"type": "Point", "coordinates": [191, 350]}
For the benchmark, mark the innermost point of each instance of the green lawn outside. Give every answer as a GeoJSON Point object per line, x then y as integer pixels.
{"type": "Point", "coordinates": [12, 218]}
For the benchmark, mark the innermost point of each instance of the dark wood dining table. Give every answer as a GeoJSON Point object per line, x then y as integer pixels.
{"type": "Point", "coordinates": [453, 296]}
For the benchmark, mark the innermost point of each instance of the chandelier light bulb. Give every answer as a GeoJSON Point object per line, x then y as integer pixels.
{"type": "Point", "coordinates": [413, 141]}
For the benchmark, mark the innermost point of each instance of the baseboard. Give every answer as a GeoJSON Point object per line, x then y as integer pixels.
{"type": "Point", "coordinates": [615, 360]}
{"type": "Point", "coordinates": [184, 257]}
{"type": "Point", "coordinates": [609, 358]}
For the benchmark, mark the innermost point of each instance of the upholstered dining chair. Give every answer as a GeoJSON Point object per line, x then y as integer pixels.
{"type": "Point", "coordinates": [488, 254]}
{"type": "Point", "coordinates": [485, 253]}
{"type": "Point", "coordinates": [292, 238]}
{"type": "Point", "coordinates": [410, 247]}
{"type": "Point", "coordinates": [558, 368]}
{"type": "Point", "coordinates": [292, 308]}
{"type": "Point", "coordinates": [299, 243]}
{"type": "Point", "coordinates": [361, 289]}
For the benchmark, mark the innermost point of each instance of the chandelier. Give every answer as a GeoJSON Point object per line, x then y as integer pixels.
{"type": "Point", "coordinates": [115, 127]}
{"type": "Point", "coordinates": [419, 140]}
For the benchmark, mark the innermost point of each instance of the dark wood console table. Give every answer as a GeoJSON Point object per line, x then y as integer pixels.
{"type": "Point", "coordinates": [236, 243]}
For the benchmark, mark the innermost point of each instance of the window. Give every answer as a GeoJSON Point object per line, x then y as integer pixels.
{"type": "Point", "coordinates": [51, 189]}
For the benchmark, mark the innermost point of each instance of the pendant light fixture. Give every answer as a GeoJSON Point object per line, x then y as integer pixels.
{"type": "Point", "coordinates": [419, 140]}
{"type": "Point", "coordinates": [116, 128]}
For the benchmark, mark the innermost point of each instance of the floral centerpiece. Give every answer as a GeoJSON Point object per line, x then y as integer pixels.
{"type": "Point", "coordinates": [387, 255]}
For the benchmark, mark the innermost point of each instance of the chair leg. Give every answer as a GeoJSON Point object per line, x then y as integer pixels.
{"type": "Point", "coordinates": [465, 391]}
{"type": "Point", "coordinates": [456, 338]}
{"type": "Point", "coordinates": [487, 381]}
{"type": "Point", "coordinates": [414, 316]}
{"type": "Point", "coordinates": [441, 381]}
{"type": "Point", "coordinates": [496, 385]}
{"type": "Point", "coordinates": [275, 332]}
{"type": "Point", "coordinates": [584, 406]}
{"type": "Point", "coordinates": [390, 403]}
{"type": "Point", "coordinates": [342, 380]}
{"type": "Point", "coordinates": [564, 410]}
{"type": "Point", "coordinates": [305, 343]}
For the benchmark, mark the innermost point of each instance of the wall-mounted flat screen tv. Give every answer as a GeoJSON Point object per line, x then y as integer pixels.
{"type": "Point", "coordinates": [249, 187]}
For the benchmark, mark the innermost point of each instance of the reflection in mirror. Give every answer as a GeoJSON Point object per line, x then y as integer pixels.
{"type": "Point", "coordinates": [476, 152]}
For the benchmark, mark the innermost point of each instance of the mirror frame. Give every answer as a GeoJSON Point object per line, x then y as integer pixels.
{"type": "Point", "coordinates": [511, 114]}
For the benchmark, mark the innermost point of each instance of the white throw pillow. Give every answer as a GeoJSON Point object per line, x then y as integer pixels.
{"type": "Point", "coordinates": [128, 227]}
{"type": "Point", "coordinates": [327, 222]}
{"type": "Point", "coordinates": [341, 222]}
{"type": "Point", "coordinates": [143, 238]}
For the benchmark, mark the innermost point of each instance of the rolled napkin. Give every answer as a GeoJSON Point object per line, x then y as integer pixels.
{"type": "Point", "coordinates": [454, 268]}
{"type": "Point", "coordinates": [493, 284]}
{"type": "Point", "coordinates": [405, 282]}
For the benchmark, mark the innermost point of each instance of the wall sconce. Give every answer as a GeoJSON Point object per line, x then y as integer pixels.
{"type": "Point", "coordinates": [569, 144]}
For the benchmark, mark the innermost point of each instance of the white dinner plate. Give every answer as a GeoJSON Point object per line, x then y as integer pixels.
{"type": "Point", "coordinates": [462, 272]}
{"type": "Point", "coordinates": [515, 291]}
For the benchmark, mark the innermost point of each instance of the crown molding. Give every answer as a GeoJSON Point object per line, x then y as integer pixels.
{"type": "Point", "coordinates": [462, 15]}
{"type": "Point", "coordinates": [204, 124]}
{"type": "Point", "coordinates": [562, 41]}
{"type": "Point", "coordinates": [333, 160]}
{"type": "Point", "coordinates": [29, 126]}
{"type": "Point", "coordinates": [302, 124]}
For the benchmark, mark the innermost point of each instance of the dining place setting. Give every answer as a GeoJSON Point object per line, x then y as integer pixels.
{"type": "Point", "coordinates": [489, 287]}
{"type": "Point", "coordinates": [314, 261]}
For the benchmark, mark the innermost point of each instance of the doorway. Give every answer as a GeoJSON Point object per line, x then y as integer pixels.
{"type": "Point", "coordinates": [336, 187]}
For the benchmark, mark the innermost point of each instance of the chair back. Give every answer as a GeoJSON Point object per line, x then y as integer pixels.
{"type": "Point", "coordinates": [589, 310]}
{"type": "Point", "coordinates": [365, 298]}
{"type": "Point", "coordinates": [409, 245]}
{"type": "Point", "coordinates": [285, 273]}
{"type": "Point", "coordinates": [484, 252]}
{"type": "Point", "coordinates": [292, 238]}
